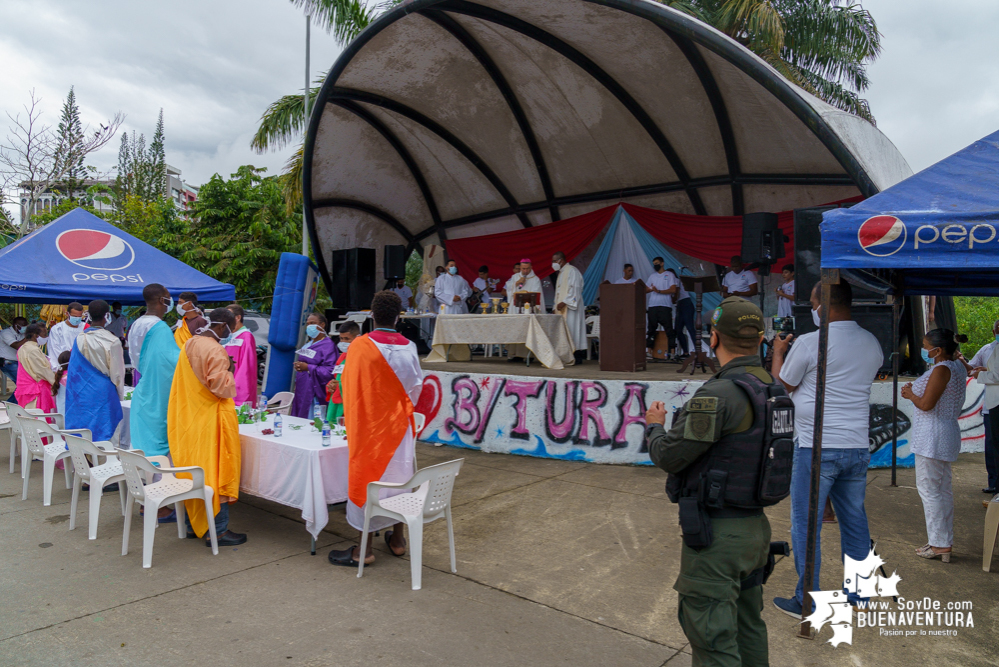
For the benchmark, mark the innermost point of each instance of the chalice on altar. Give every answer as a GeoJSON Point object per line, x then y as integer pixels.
{"type": "Point", "coordinates": [506, 307]}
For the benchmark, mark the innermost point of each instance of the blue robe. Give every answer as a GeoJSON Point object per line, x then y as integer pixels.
{"type": "Point", "coordinates": [148, 416]}
{"type": "Point", "coordinates": [92, 400]}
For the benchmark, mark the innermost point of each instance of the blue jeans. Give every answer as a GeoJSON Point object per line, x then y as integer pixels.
{"type": "Point", "coordinates": [9, 368]}
{"type": "Point", "coordinates": [221, 520]}
{"type": "Point", "coordinates": [844, 480]}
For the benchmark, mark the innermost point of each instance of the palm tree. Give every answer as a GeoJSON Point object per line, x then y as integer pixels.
{"type": "Point", "coordinates": [823, 46]}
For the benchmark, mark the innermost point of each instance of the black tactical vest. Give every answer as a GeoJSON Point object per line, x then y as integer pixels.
{"type": "Point", "coordinates": [746, 470]}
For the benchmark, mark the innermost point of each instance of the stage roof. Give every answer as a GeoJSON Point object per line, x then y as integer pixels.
{"type": "Point", "coordinates": [448, 118]}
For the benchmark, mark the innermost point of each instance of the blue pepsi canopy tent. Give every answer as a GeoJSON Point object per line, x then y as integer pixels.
{"type": "Point", "coordinates": [936, 232]}
{"type": "Point", "coordinates": [79, 257]}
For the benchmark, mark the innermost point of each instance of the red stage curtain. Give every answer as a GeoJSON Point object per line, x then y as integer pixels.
{"type": "Point", "coordinates": [501, 251]}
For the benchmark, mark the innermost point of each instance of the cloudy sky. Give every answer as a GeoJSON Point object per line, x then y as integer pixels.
{"type": "Point", "coordinates": [215, 65]}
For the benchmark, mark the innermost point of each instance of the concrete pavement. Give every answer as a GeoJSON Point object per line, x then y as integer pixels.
{"type": "Point", "coordinates": [558, 563]}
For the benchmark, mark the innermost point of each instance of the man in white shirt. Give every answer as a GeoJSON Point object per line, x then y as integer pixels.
{"type": "Point", "coordinates": [64, 334]}
{"type": "Point", "coordinates": [785, 292]}
{"type": "Point", "coordinates": [404, 292]}
{"type": "Point", "coordinates": [661, 287]}
{"type": "Point", "coordinates": [486, 287]}
{"type": "Point", "coordinates": [569, 302]}
{"type": "Point", "coordinates": [984, 367]}
{"type": "Point", "coordinates": [854, 358]}
{"type": "Point", "coordinates": [452, 290]}
{"type": "Point", "coordinates": [11, 339]}
{"type": "Point", "coordinates": [739, 282]}
{"type": "Point", "coordinates": [629, 276]}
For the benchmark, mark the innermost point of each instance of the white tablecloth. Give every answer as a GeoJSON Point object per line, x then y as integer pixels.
{"type": "Point", "coordinates": [295, 469]}
{"type": "Point", "coordinates": [546, 336]}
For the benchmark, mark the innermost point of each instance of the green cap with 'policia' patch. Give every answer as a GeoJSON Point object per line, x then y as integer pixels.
{"type": "Point", "coordinates": [734, 314]}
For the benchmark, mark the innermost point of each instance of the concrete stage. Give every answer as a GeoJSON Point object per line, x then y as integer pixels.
{"type": "Point", "coordinates": [656, 372]}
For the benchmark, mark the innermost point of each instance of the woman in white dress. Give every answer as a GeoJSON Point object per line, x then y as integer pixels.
{"type": "Point", "coordinates": [938, 397]}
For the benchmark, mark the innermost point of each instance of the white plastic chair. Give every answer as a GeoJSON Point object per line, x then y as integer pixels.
{"type": "Point", "coordinates": [280, 402]}
{"type": "Point", "coordinates": [34, 432]}
{"type": "Point", "coordinates": [419, 421]}
{"type": "Point", "coordinates": [169, 490]}
{"type": "Point", "coordinates": [6, 425]}
{"type": "Point", "coordinates": [97, 476]}
{"type": "Point", "coordinates": [593, 335]}
{"type": "Point", "coordinates": [430, 501]}
{"type": "Point", "coordinates": [15, 430]}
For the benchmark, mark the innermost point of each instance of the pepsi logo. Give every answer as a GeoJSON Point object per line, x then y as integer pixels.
{"type": "Point", "coordinates": [95, 250]}
{"type": "Point", "coordinates": [882, 235]}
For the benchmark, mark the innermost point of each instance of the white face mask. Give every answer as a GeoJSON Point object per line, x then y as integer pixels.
{"type": "Point", "coordinates": [556, 266]}
{"type": "Point", "coordinates": [42, 340]}
{"type": "Point", "coordinates": [815, 317]}
{"type": "Point", "coordinates": [342, 346]}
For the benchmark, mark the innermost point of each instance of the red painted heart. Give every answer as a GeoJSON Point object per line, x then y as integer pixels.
{"type": "Point", "coordinates": [430, 399]}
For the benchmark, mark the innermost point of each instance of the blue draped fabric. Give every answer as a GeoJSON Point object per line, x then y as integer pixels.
{"type": "Point", "coordinates": [91, 398]}
{"type": "Point", "coordinates": [148, 414]}
{"type": "Point", "coordinates": [654, 248]}
{"type": "Point", "coordinates": [595, 271]}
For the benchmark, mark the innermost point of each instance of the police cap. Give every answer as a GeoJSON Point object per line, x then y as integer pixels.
{"type": "Point", "coordinates": [736, 313]}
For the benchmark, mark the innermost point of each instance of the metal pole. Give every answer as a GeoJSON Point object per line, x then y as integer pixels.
{"type": "Point", "coordinates": [895, 310]}
{"type": "Point", "coordinates": [829, 277]}
{"type": "Point", "coordinates": [308, 30]}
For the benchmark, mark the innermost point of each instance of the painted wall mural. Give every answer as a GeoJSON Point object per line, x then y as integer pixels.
{"type": "Point", "coordinates": [603, 421]}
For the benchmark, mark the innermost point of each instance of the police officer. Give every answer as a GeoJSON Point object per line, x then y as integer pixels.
{"type": "Point", "coordinates": [710, 452]}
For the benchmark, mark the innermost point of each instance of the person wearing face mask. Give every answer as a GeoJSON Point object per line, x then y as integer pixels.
{"type": "Point", "coordinates": [569, 302]}
{"type": "Point", "coordinates": [854, 358]}
{"type": "Point", "coordinates": [11, 339]}
{"type": "Point", "coordinates": [405, 293]}
{"type": "Point", "coordinates": [119, 323]}
{"type": "Point", "coordinates": [661, 286]}
{"type": "Point", "coordinates": [96, 381]}
{"type": "Point", "coordinates": [716, 443]}
{"type": "Point", "coordinates": [34, 390]}
{"type": "Point", "coordinates": [191, 320]}
{"type": "Point", "coordinates": [242, 347]}
{"type": "Point", "coordinates": [976, 368]}
{"type": "Point", "coordinates": [314, 366]}
{"type": "Point", "coordinates": [334, 388]}
{"type": "Point", "coordinates": [452, 290]}
{"type": "Point", "coordinates": [937, 396]}
{"type": "Point", "coordinates": [154, 354]}
{"type": "Point", "coordinates": [202, 426]}
{"type": "Point", "coordinates": [63, 334]}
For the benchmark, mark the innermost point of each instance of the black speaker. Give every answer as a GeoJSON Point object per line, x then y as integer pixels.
{"type": "Point", "coordinates": [875, 317]}
{"type": "Point", "coordinates": [395, 262]}
{"type": "Point", "coordinates": [352, 273]}
{"type": "Point", "coordinates": [762, 239]}
{"type": "Point", "coordinates": [808, 256]}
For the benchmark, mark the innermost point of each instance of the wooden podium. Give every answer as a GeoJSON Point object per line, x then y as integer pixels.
{"type": "Point", "coordinates": [622, 327]}
{"type": "Point", "coordinates": [698, 285]}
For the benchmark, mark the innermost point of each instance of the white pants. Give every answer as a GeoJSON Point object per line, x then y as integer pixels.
{"type": "Point", "coordinates": [934, 484]}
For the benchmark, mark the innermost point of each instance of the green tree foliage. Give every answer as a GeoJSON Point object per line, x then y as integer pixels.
{"type": "Point", "coordinates": [414, 270]}
{"type": "Point", "coordinates": [238, 230]}
{"type": "Point", "coordinates": [975, 317]}
{"type": "Point", "coordinates": [141, 169]}
{"type": "Point", "coordinates": [157, 158]}
{"type": "Point", "coordinates": [69, 134]}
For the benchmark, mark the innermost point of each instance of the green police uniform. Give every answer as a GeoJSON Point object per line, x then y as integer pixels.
{"type": "Point", "coordinates": [720, 619]}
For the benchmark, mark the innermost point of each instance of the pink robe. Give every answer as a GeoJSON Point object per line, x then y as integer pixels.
{"type": "Point", "coordinates": [243, 350]}
{"type": "Point", "coordinates": [30, 389]}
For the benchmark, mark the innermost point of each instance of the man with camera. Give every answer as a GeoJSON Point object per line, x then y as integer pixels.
{"type": "Point", "coordinates": [728, 455]}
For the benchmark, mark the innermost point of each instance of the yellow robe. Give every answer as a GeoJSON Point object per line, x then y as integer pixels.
{"type": "Point", "coordinates": [182, 334]}
{"type": "Point", "coordinates": [201, 423]}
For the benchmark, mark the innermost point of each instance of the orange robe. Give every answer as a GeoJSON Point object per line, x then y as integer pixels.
{"type": "Point", "coordinates": [201, 423]}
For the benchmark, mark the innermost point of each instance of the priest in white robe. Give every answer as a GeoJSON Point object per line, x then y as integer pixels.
{"type": "Point", "coordinates": [569, 301]}
{"type": "Point", "coordinates": [451, 290]}
{"type": "Point", "coordinates": [526, 281]}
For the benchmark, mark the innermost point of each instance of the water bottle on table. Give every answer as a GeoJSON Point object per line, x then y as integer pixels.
{"type": "Point", "coordinates": [277, 425]}
{"type": "Point", "coordinates": [327, 435]}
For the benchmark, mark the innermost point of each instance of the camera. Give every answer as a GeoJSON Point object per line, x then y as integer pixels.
{"type": "Point", "coordinates": [783, 326]}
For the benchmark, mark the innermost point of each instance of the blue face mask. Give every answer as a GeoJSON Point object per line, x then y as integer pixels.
{"type": "Point", "coordinates": [926, 355]}
{"type": "Point", "coordinates": [312, 331]}
{"type": "Point", "coordinates": [453, 270]}
{"type": "Point", "coordinates": [997, 338]}
{"type": "Point", "coordinates": [75, 321]}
